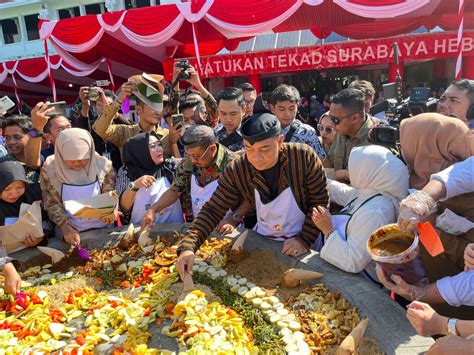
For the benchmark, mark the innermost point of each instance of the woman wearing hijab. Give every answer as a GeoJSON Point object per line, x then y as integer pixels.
{"type": "Point", "coordinates": [144, 177]}
{"type": "Point", "coordinates": [75, 172]}
{"type": "Point", "coordinates": [379, 182]}
{"type": "Point", "coordinates": [430, 143]}
{"type": "Point", "coordinates": [15, 190]}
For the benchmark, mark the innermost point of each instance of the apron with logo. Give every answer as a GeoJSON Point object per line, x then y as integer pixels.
{"type": "Point", "coordinates": [200, 195]}
{"type": "Point", "coordinates": [78, 192]}
{"type": "Point", "coordinates": [145, 198]}
{"type": "Point", "coordinates": [280, 219]}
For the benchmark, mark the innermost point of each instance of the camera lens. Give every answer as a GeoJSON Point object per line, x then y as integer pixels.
{"type": "Point", "coordinates": [93, 95]}
{"type": "Point", "coordinates": [184, 75]}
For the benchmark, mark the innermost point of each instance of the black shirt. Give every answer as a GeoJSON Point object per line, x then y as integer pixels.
{"type": "Point", "coordinates": [272, 177]}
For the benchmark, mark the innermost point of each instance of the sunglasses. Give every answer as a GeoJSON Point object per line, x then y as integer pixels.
{"type": "Point", "coordinates": [327, 129]}
{"type": "Point", "coordinates": [194, 158]}
{"type": "Point", "coordinates": [337, 120]}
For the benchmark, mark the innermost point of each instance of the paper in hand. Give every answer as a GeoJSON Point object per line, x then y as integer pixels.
{"type": "Point", "coordinates": [29, 222]}
{"type": "Point", "coordinates": [96, 207]}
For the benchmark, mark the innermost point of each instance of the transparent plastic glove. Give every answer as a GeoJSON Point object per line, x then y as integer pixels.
{"type": "Point", "coordinates": [453, 224]}
{"type": "Point", "coordinates": [396, 284]}
{"type": "Point", "coordinates": [414, 209]}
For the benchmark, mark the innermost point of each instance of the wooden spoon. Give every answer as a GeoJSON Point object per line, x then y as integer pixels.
{"type": "Point", "coordinates": [188, 286]}
{"type": "Point", "coordinates": [352, 341]}
{"type": "Point", "coordinates": [292, 278]}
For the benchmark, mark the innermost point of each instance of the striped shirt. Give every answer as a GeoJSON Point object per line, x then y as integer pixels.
{"type": "Point", "coordinates": [300, 169]}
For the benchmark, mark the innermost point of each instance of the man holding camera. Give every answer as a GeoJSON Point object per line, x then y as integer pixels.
{"type": "Point", "coordinates": [186, 72]}
{"type": "Point", "coordinates": [92, 107]}
{"type": "Point", "coordinates": [347, 112]}
{"type": "Point", "coordinates": [148, 92]}
{"type": "Point", "coordinates": [45, 128]}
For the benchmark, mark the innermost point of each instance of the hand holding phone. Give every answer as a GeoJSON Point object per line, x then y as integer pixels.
{"type": "Point", "coordinates": [5, 104]}
{"type": "Point", "coordinates": [59, 108]}
{"type": "Point", "coordinates": [177, 120]}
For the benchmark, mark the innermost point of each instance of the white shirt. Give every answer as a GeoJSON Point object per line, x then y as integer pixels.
{"type": "Point", "coordinates": [349, 252]}
{"type": "Point", "coordinates": [458, 290]}
{"type": "Point", "coordinates": [458, 178]}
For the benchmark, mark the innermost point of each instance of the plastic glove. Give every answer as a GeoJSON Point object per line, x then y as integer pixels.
{"type": "Point", "coordinates": [414, 209]}
{"type": "Point", "coordinates": [396, 284]}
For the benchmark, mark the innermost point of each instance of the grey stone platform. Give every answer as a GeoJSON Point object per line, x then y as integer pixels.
{"type": "Point", "coordinates": [387, 320]}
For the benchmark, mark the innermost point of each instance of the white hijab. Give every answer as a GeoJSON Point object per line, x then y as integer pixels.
{"type": "Point", "coordinates": [375, 170]}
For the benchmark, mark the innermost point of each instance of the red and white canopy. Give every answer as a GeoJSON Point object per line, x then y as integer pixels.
{"type": "Point", "coordinates": [139, 39]}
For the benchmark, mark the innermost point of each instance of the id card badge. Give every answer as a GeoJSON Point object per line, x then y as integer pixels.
{"type": "Point", "coordinates": [106, 155]}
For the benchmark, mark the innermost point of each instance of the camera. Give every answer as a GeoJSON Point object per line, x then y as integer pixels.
{"type": "Point", "coordinates": [388, 136]}
{"type": "Point", "coordinates": [94, 93]}
{"type": "Point", "coordinates": [184, 65]}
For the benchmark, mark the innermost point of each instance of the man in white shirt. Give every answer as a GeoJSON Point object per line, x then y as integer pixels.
{"type": "Point", "coordinates": [455, 290]}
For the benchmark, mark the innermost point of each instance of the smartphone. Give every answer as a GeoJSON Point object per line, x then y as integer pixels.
{"type": "Point", "coordinates": [101, 83]}
{"type": "Point", "coordinates": [59, 108]}
{"type": "Point", "coordinates": [5, 104]}
{"type": "Point", "coordinates": [177, 120]}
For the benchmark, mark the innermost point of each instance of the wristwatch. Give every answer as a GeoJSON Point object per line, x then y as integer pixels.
{"type": "Point", "coordinates": [34, 133]}
{"type": "Point", "coordinates": [452, 326]}
{"type": "Point", "coordinates": [132, 187]}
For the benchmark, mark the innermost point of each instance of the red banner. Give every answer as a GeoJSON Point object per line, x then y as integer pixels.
{"type": "Point", "coordinates": [341, 54]}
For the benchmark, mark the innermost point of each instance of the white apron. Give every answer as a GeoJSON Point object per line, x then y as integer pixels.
{"type": "Point", "coordinates": [280, 219]}
{"type": "Point", "coordinates": [340, 222]}
{"type": "Point", "coordinates": [78, 192]}
{"type": "Point", "coordinates": [145, 198]}
{"type": "Point", "coordinates": [200, 195]}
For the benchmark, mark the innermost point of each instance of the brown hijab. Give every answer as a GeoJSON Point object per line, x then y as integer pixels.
{"type": "Point", "coordinates": [75, 144]}
{"type": "Point", "coordinates": [432, 142]}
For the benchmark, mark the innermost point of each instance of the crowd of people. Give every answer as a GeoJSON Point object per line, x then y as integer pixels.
{"type": "Point", "coordinates": [299, 172]}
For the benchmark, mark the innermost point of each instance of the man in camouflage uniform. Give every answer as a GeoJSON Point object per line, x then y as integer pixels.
{"type": "Point", "coordinates": [197, 175]}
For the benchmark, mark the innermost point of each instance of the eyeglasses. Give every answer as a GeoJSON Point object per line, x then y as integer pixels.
{"type": "Point", "coordinates": [193, 157]}
{"type": "Point", "coordinates": [155, 146]}
{"type": "Point", "coordinates": [327, 129]}
{"type": "Point", "coordinates": [250, 102]}
{"type": "Point", "coordinates": [337, 120]}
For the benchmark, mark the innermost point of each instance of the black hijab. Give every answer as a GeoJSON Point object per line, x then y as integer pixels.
{"type": "Point", "coordinates": [137, 159]}
{"type": "Point", "coordinates": [11, 171]}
